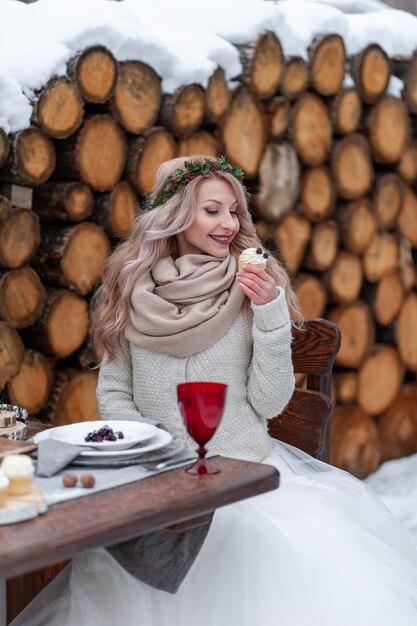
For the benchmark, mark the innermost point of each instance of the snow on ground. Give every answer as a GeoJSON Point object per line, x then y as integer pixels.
{"type": "Point", "coordinates": [396, 483]}
{"type": "Point", "coordinates": [395, 87]}
{"type": "Point", "coordinates": [354, 6]}
{"type": "Point", "coordinates": [184, 41]}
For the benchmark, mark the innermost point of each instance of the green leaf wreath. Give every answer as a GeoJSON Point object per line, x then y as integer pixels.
{"type": "Point", "coordinates": [192, 169]}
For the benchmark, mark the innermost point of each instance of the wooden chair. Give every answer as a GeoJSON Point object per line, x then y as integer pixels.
{"type": "Point", "coordinates": [305, 423]}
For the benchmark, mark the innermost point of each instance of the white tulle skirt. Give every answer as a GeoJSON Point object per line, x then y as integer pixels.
{"type": "Point", "coordinates": [322, 550]}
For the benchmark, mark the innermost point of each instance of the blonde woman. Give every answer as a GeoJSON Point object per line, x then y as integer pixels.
{"type": "Point", "coordinates": [320, 550]}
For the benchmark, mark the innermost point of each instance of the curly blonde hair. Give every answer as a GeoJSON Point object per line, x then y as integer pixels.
{"type": "Point", "coordinates": [153, 236]}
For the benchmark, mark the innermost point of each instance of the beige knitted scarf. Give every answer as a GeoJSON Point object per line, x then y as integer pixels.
{"type": "Point", "coordinates": [184, 306]}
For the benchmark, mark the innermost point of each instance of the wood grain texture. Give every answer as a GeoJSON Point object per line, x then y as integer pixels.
{"type": "Point", "coordinates": [119, 514]}
{"type": "Point", "coordinates": [22, 590]}
{"type": "Point", "coordinates": [10, 446]}
{"type": "Point", "coordinates": [314, 348]}
{"type": "Point", "coordinates": [305, 422]}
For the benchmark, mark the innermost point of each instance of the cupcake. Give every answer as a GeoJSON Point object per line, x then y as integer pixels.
{"type": "Point", "coordinates": [4, 486]}
{"type": "Point", "coordinates": [19, 469]}
{"type": "Point", "coordinates": [253, 256]}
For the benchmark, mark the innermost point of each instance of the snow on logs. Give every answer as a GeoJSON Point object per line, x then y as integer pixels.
{"type": "Point", "coordinates": [332, 167]}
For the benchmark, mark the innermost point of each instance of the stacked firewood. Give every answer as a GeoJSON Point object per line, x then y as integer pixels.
{"type": "Point", "coordinates": [332, 162]}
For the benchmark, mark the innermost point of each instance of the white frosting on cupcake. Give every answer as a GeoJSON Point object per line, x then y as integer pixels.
{"type": "Point", "coordinates": [4, 481]}
{"type": "Point", "coordinates": [253, 256]}
{"type": "Point", "coordinates": [17, 465]}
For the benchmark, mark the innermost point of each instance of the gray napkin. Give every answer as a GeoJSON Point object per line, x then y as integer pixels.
{"type": "Point", "coordinates": [54, 455]}
{"type": "Point", "coordinates": [161, 558]}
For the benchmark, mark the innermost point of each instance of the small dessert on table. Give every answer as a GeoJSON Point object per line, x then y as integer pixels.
{"type": "Point", "coordinates": [19, 469]}
{"type": "Point", "coordinates": [7, 418]}
{"type": "Point", "coordinates": [252, 256]}
{"type": "Point", "coordinates": [12, 422]}
{"type": "Point", "coordinates": [4, 486]}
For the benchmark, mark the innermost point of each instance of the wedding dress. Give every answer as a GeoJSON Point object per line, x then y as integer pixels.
{"type": "Point", "coordinates": [321, 550]}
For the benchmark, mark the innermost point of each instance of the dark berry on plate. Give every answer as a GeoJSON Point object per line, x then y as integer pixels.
{"type": "Point", "coordinates": [105, 433]}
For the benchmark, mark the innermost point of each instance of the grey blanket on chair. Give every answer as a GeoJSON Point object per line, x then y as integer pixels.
{"type": "Point", "coordinates": [162, 558]}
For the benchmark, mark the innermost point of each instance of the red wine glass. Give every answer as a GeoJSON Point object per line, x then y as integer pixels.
{"type": "Point", "coordinates": [201, 406]}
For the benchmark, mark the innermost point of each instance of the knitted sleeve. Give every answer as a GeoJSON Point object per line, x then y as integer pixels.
{"type": "Point", "coordinates": [115, 386]}
{"type": "Point", "coordinates": [271, 375]}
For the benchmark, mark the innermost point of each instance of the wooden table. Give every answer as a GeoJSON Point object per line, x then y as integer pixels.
{"type": "Point", "coordinates": [173, 499]}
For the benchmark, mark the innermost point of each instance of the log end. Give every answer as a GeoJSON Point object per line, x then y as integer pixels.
{"type": "Point", "coordinates": [96, 72]}
{"type": "Point", "coordinates": [34, 156]}
{"type": "Point", "coordinates": [60, 108]}
{"type": "Point", "coordinates": [137, 96]}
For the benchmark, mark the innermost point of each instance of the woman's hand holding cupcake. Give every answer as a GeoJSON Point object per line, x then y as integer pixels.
{"type": "Point", "coordinates": [252, 278]}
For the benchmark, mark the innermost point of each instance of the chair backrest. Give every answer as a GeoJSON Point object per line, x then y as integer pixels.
{"type": "Point", "coordinates": [305, 422]}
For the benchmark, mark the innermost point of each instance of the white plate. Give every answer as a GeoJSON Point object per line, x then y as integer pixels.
{"type": "Point", "coordinates": [155, 456]}
{"type": "Point", "coordinates": [134, 433]}
{"type": "Point", "coordinates": [162, 438]}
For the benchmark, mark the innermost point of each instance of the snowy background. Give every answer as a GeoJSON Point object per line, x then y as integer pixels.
{"type": "Point", "coordinates": [396, 483]}
{"type": "Point", "coordinates": [184, 41]}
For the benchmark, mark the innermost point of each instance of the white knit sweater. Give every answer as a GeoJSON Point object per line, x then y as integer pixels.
{"type": "Point", "coordinates": [253, 358]}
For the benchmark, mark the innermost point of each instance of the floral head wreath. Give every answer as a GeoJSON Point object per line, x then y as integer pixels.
{"type": "Point", "coordinates": [192, 169]}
